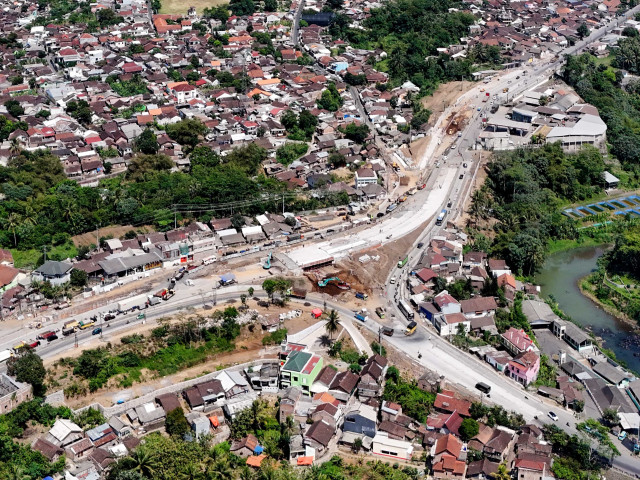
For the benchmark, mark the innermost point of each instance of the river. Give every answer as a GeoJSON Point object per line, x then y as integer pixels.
{"type": "Point", "coordinates": [560, 276]}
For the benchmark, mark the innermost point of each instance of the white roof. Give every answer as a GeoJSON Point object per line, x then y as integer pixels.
{"type": "Point", "coordinates": [62, 428]}
{"type": "Point", "coordinates": [114, 243]}
{"type": "Point", "coordinates": [251, 230]}
{"type": "Point", "coordinates": [309, 255]}
{"type": "Point", "coordinates": [609, 178]}
{"type": "Point", "coordinates": [383, 439]}
{"type": "Point", "coordinates": [588, 125]}
{"type": "Point", "coordinates": [262, 219]}
{"type": "Point", "coordinates": [227, 232]}
{"type": "Point", "coordinates": [230, 379]}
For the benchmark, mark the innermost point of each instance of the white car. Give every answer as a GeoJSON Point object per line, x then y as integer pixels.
{"type": "Point", "coordinates": [553, 416]}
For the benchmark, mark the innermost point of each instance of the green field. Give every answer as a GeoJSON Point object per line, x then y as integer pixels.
{"type": "Point", "coordinates": [30, 258]}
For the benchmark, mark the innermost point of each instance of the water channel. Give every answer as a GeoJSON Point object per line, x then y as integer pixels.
{"type": "Point", "coordinates": [560, 276]}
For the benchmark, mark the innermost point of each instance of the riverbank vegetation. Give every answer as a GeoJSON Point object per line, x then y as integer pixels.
{"type": "Point", "coordinates": [615, 283]}
{"type": "Point", "coordinates": [516, 213]}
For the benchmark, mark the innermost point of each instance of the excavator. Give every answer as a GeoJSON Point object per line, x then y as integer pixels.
{"type": "Point", "coordinates": [267, 264]}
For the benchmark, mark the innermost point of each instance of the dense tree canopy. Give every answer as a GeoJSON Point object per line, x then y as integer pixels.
{"type": "Point", "coordinates": [524, 190]}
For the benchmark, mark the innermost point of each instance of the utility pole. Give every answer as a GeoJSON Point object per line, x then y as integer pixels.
{"type": "Point", "coordinates": [101, 315]}
{"type": "Point", "coordinates": [75, 343]}
{"type": "Point", "coordinates": [98, 236]}
{"type": "Point", "coordinates": [215, 296]}
{"type": "Point", "coordinates": [44, 250]}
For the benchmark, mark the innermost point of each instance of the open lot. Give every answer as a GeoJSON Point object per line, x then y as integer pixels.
{"type": "Point", "coordinates": [178, 7]}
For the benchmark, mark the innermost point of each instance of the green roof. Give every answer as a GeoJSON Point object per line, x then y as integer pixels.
{"type": "Point", "coordinates": [297, 361]}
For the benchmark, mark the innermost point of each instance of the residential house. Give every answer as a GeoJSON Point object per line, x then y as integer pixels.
{"type": "Point", "coordinates": [499, 445]}
{"type": "Point", "coordinates": [524, 368]}
{"type": "Point", "coordinates": [361, 420]}
{"type": "Point", "coordinates": [319, 434]}
{"type": "Point", "coordinates": [343, 385]}
{"type": "Point", "coordinates": [246, 446]}
{"type": "Point", "coordinates": [451, 323]}
{"type": "Point", "coordinates": [63, 433]}
{"type": "Point", "coordinates": [372, 377]}
{"type": "Point", "coordinates": [498, 267]}
{"type": "Point", "coordinates": [448, 458]}
{"type": "Point", "coordinates": [516, 341]}
{"type": "Point", "coordinates": [301, 369]}
{"type": "Point", "coordinates": [478, 307]}
{"type": "Point", "coordinates": [483, 469]}
{"type": "Point", "coordinates": [446, 303]}
{"type": "Point", "coordinates": [365, 176]}
{"type": "Point", "coordinates": [385, 446]}
{"type": "Point", "coordinates": [53, 272]}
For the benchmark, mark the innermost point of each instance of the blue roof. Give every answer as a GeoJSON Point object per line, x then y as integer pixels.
{"type": "Point", "coordinates": [47, 478]}
{"type": "Point", "coordinates": [258, 449]}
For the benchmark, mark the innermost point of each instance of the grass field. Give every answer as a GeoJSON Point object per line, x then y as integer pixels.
{"type": "Point", "coordinates": [180, 7]}
{"type": "Point", "coordinates": [30, 258]}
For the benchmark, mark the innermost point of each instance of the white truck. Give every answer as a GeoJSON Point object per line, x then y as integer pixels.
{"type": "Point", "coordinates": [5, 355]}
{"type": "Point", "coordinates": [139, 301]}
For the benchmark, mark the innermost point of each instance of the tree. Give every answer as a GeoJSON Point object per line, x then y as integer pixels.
{"type": "Point", "coordinates": [186, 132]}
{"type": "Point", "coordinates": [270, 5]}
{"type": "Point", "coordinates": [11, 222]}
{"type": "Point", "coordinates": [468, 429]}
{"type": "Point", "coordinates": [357, 445]}
{"type": "Point", "coordinates": [78, 278]}
{"type": "Point", "coordinates": [610, 417]}
{"type": "Point", "coordinates": [79, 110]}
{"type": "Point", "coordinates": [333, 322]}
{"type": "Point", "coordinates": [357, 133]}
{"type": "Point", "coordinates": [141, 461]}
{"type": "Point", "coordinates": [242, 8]}
{"type": "Point", "coordinates": [28, 367]}
{"type": "Point", "coordinates": [141, 165]}
{"type": "Point", "coordinates": [14, 108]}
{"type": "Point", "coordinates": [330, 98]}
{"type": "Point", "coordinates": [502, 473]}
{"type": "Point", "coordinates": [176, 424]}
{"type": "Point", "coordinates": [583, 31]}
{"type": "Point", "coordinates": [289, 120]}
{"type": "Point", "coordinates": [147, 142]}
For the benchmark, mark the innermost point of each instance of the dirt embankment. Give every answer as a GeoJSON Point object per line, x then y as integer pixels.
{"type": "Point", "coordinates": [114, 231]}
{"type": "Point", "coordinates": [445, 95]}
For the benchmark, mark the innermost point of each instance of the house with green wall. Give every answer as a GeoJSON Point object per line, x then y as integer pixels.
{"type": "Point", "coordinates": [301, 369]}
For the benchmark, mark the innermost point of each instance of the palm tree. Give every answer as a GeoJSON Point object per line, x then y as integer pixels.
{"type": "Point", "coordinates": [221, 470]}
{"type": "Point", "coordinates": [17, 473]}
{"type": "Point", "coordinates": [191, 471]}
{"type": "Point", "coordinates": [14, 147]}
{"type": "Point", "coordinates": [502, 473]}
{"type": "Point", "coordinates": [259, 414]}
{"type": "Point", "coordinates": [11, 223]}
{"type": "Point", "coordinates": [333, 323]}
{"type": "Point", "coordinates": [141, 461]}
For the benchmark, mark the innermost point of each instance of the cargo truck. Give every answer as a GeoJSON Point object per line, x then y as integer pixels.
{"type": "Point", "coordinates": [362, 296]}
{"type": "Point", "coordinates": [5, 355]}
{"type": "Point", "coordinates": [137, 302]}
{"type": "Point", "coordinates": [298, 293]}
{"type": "Point", "coordinates": [363, 318]}
{"type": "Point", "coordinates": [85, 324]}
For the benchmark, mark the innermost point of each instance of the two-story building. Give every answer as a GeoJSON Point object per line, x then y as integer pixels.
{"type": "Point", "coordinates": [524, 368]}
{"type": "Point", "coordinates": [517, 341]}
{"type": "Point", "coordinates": [301, 369]}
